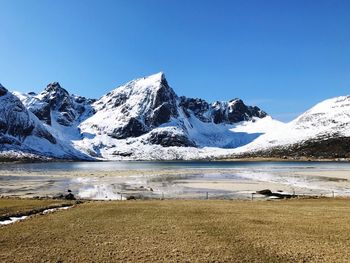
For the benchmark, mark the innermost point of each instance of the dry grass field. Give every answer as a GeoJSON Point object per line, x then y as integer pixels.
{"type": "Point", "coordinates": [11, 207]}
{"type": "Point", "coordinates": [183, 231]}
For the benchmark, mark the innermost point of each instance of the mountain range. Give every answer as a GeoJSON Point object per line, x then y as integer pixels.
{"type": "Point", "coordinates": [145, 119]}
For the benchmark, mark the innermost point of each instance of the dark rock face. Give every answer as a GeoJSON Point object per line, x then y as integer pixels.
{"type": "Point", "coordinates": [319, 148]}
{"type": "Point", "coordinates": [43, 113]}
{"type": "Point", "coordinates": [220, 112]}
{"type": "Point", "coordinates": [56, 99]}
{"type": "Point", "coordinates": [238, 111]}
{"type": "Point", "coordinates": [120, 99]}
{"type": "Point", "coordinates": [234, 111]}
{"type": "Point", "coordinates": [41, 133]}
{"type": "Point", "coordinates": [198, 106]}
{"type": "Point", "coordinates": [123, 153]}
{"type": "Point", "coordinates": [17, 121]}
{"type": "Point", "coordinates": [3, 91]}
{"type": "Point", "coordinates": [3, 125]}
{"type": "Point", "coordinates": [167, 139]}
{"type": "Point", "coordinates": [142, 105]}
{"type": "Point", "coordinates": [163, 107]}
{"type": "Point", "coordinates": [146, 107]}
{"type": "Point", "coordinates": [4, 139]}
{"type": "Point", "coordinates": [162, 114]}
{"type": "Point", "coordinates": [133, 128]}
{"type": "Point", "coordinates": [155, 104]}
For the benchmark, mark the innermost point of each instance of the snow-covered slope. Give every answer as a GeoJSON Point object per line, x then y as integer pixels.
{"type": "Point", "coordinates": [133, 109]}
{"type": "Point", "coordinates": [58, 110]}
{"type": "Point", "coordinates": [145, 119]}
{"type": "Point", "coordinates": [16, 121]}
{"type": "Point", "coordinates": [22, 132]}
{"type": "Point", "coordinates": [146, 113]}
{"type": "Point", "coordinates": [327, 119]}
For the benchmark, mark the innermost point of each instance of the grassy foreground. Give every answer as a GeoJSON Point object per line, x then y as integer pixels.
{"type": "Point", "coordinates": [184, 231]}
{"type": "Point", "coordinates": [13, 207]}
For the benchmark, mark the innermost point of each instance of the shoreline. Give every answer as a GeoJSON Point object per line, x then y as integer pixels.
{"type": "Point", "coordinates": [183, 183]}
{"type": "Point", "coordinates": [223, 159]}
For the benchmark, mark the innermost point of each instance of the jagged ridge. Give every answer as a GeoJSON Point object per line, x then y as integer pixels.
{"type": "Point", "coordinates": [145, 119]}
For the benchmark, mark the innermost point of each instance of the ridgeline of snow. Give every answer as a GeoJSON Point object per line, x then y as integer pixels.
{"type": "Point", "coordinates": [22, 132]}
{"type": "Point", "coordinates": [327, 119]}
{"type": "Point", "coordinates": [145, 120]}
{"type": "Point", "coordinates": [133, 109]}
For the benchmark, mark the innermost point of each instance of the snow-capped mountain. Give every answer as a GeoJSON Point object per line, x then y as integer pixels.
{"type": "Point", "coordinates": [58, 110]}
{"type": "Point", "coordinates": [22, 132]}
{"type": "Point", "coordinates": [310, 134]}
{"type": "Point", "coordinates": [147, 112]}
{"type": "Point", "coordinates": [134, 109]}
{"type": "Point", "coordinates": [146, 119]}
{"type": "Point", "coordinates": [16, 122]}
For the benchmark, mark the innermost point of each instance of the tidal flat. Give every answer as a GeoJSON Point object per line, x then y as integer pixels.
{"type": "Point", "coordinates": [174, 180]}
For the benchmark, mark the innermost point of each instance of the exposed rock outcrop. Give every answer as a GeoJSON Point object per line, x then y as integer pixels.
{"type": "Point", "coordinates": [16, 121]}
{"type": "Point", "coordinates": [145, 111]}
{"type": "Point", "coordinates": [220, 112]}
{"type": "Point", "coordinates": [55, 102]}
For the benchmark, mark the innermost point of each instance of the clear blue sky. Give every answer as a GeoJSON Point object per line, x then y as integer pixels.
{"type": "Point", "coordinates": [284, 56]}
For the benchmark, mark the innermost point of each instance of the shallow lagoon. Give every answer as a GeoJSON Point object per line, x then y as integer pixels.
{"type": "Point", "coordinates": [118, 180]}
{"type": "Point", "coordinates": [131, 165]}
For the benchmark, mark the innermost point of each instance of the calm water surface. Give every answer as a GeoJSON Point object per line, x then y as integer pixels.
{"type": "Point", "coordinates": [192, 179]}
{"type": "Point", "coordinates": [139, 165]}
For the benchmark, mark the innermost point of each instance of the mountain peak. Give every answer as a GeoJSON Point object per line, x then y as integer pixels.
{"type": "Point", "coordinates": [157, 76]}
{"type": "Point", "coordinates": [3, 90]}
{"type": "Point", "coordinates": [155, 80]}
{"type": "Point", "coordinates": [54, 84]}
{"type": "Point", "coordinates": [55, 87]}
{"type": "Point", "coordinates": [332, 112]}
{"type": "Point", "coordinates": [137, 107]}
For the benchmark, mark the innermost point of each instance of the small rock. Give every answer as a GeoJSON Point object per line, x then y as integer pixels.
{"type": "Point", "coordinates": [69, 196]}
{"type": "Point", "coordinates": [264, 192]}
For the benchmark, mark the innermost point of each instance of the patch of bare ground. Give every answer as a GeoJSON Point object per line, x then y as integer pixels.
{"type": "Point", "coordinates": [184, 231]}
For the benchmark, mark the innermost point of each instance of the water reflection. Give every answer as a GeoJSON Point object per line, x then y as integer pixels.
{"type": "Point", "coordinates": [169, 179]}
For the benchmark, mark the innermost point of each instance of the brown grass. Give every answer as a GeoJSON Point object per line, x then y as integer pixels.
{"type": "Point", "coordinates": [11, 206]}
{"type": "Point", "coordinates": [184, 231]}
